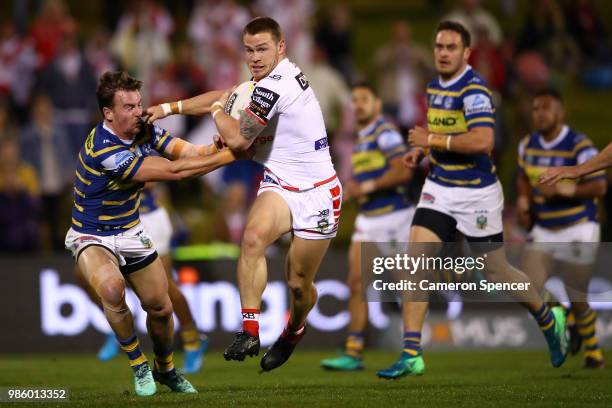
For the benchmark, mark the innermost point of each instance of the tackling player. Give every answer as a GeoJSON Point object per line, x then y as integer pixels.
{"type": "Point", "coordinates": [565, 212]}
{"type": "Point", "coordinates": [300, 192]}
{"type": "Point", "coordinates": [157, 224]}
{"type": "Point", "coordinates": [462, 192]}
{"type": "Point", "coordinates": [106, 238]}
{"type": "Point", "coordinates": [385, 214]}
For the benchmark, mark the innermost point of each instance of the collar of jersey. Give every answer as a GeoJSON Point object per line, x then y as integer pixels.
{"type": "Point", "coordinates": [446, 84]}
{"type": "Point", "coordinates": [371, 127]}
{"type": "Point", "coordinates": [110, 131]}
{"type": "Point", "coordinates": [558, 139]}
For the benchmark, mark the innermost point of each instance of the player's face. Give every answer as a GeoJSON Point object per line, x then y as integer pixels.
{"type": "Point", "coordinates": [547, 113]}
{"type": "Point", "coordinates": [366, 105]}
{"type": "Point", "coordinates": [125, 115]}
{"type": "Point", "coordinates": [450, 53]}
{"type": "Point", "coordinates": [262, 53]}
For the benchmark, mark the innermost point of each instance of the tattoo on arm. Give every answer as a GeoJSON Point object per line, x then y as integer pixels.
{"type": "Point", "coordinates": [249, 126]}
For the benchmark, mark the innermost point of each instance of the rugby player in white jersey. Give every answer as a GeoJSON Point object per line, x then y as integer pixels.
{"type": "Point", "coordinates": [300, 192]}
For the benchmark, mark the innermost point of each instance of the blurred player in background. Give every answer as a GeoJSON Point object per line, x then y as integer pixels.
{"type": "Point", "coordinates": [564, 213]}
{"type": "Point", "coordinates": [156, 222]}
{"type": "Point", "coordinates": [107, 239]}
{"type": "Point", "coordinates": [385, 213]}
{"type": "Point", "coordinates": [462, 192]}
{"type": "Point", "coordinates": [300, 192]}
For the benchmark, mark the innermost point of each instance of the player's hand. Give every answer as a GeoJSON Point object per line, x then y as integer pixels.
{"type": "Point", "coordinates": [413, 158]}
{"type": "Point", "coordinates": [547, 191]}
{"type": "Point", "coordinates": [153, 113]}
{"type": "Point", "coordinates": [553, 174]}
{"type": "Point", "coordinates": [417, 137]}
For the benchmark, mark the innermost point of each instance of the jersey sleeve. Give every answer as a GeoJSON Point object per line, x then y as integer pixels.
{"type": "Point", "coordinates": [585, 151]}
{"type": "Point", "coordinates": [121, 163]}
{"type": "Point", "coordinates": [265, 100]}
{"type": "Point", "coordinates": [478, 106]}
{"type": "Point", "coordinates": [390, 143]}
{"type": "Point", "coordinates": [160, 139]}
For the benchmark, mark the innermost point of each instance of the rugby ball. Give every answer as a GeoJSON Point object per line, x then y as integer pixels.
{"type": "Point", "coordinates": [239, 99]}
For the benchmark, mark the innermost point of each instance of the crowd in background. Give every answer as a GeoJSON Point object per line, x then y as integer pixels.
{"type": "Point", "coordinates": [49, 66]}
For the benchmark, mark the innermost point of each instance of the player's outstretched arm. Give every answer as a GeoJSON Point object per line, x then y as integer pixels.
{"type": "Point", "coordinates": [198, 105]}
{"type": "Point", "coordinates": [180, 149]}
{"type": "Point", "coordinates": [599, 162]}
{"type": "Point", "coordinates": [155, 168]}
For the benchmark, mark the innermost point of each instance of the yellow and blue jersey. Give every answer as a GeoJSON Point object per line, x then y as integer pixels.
{"type": "Point", "coordinates": [376, 145]}
{"type": "Point", "coordinates": [106, 200]}
{"type": "Point", "coordinates": [456, 107]}
{"type": "Point", "coordinates": [569, 148]}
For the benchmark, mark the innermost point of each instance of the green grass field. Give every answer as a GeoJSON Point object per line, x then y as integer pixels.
{"type": "Point", "coordinates": [460, 379]}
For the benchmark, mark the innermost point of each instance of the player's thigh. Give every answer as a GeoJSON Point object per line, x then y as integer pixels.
{"type": "Point", "coordinates": [97, 265]}
{"type": "Point", "coordinates": [304, 258]}
{"type": "Point", "coordinates": [269, 218]}
{"type": "Point", "coordinates": [150, 284]}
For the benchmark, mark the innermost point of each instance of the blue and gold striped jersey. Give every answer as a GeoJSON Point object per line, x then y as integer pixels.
{"type": "Point", "coordinates": [456, 107]}
{"type": "Point", "coordinates": [567, 149]}
{"type": "Point", "coordinates": [106, 200]}
{"type": "Point", "coordinates": [376, 145]}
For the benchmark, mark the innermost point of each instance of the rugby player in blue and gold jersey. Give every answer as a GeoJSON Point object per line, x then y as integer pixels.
{"type": "Point", "coordinates": [106, 238]}
{"type": "Point", "coordinates": [462, 192]}
{"type": "Point", "coordinates": [385, 213]}
{"type": "Point", "coordinates": [563, 213]}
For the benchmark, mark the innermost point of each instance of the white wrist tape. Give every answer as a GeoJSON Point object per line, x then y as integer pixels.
{"type": "Point", "coordinates": [166, 108]}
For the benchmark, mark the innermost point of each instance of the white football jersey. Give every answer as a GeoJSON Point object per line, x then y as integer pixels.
{"type": "Point", "coordinates": [294, 144]}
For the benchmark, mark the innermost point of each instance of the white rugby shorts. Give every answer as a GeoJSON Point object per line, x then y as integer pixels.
{"type": "Point", "coordinates": [315, 212]}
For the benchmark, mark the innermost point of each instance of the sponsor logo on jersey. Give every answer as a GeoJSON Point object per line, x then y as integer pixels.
{"type": "Point", "coordinates": [321, 143]}
{"type": "Point", "coordinates": [478, 103]}
{"type": "Point", "coordinates": [275, 77]}
{"type": "Point", "coordinates": [122, 158]}
{"type": "Point", "coordinates": [302, 81]}
{"type": "Point", "coordinates": [262, 102]}
{"type": "Point", "coordinates": [448, 121]}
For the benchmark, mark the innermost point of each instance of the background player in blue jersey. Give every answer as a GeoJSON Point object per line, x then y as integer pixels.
{"type": "Point", "coordinates": [106, 238]}
{"type": "Point", "coordinates": [564, 213]}
{"type": "Point", "coordinates": [462, 192]}
{"type": "Point", "coordinates": [385, 213]}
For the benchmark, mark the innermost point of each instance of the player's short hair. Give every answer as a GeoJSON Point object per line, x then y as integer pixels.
{"type": "Point", "coordinates": [110, 83]}
{"type": "Point", "coordinates": [263, 25]}
{"type": "Point", "coordinates": [552, 92]}
{"type": "Point", "coordinates": [365, 84]}
{"type": "Point", "coordinates": [466, 38]}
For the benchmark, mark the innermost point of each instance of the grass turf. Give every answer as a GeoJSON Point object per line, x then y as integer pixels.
{"type": "Point", "coordinates": [500, 378]}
